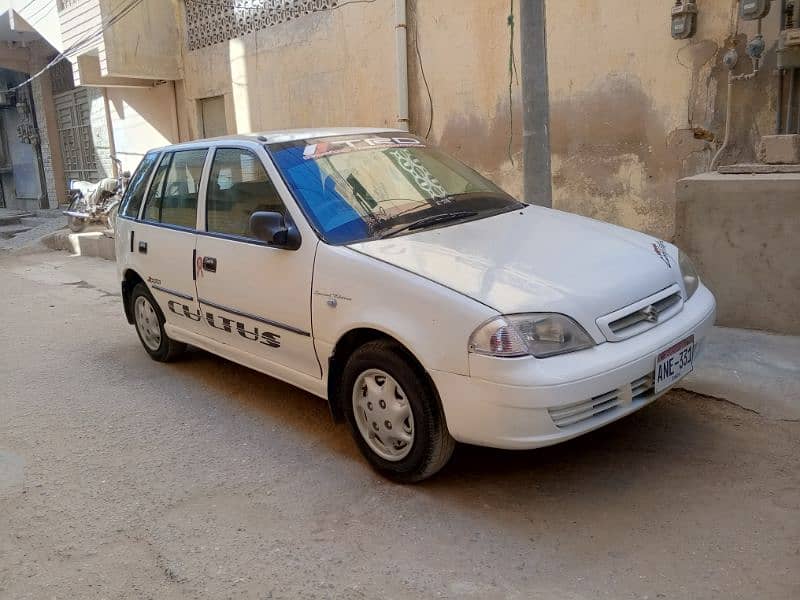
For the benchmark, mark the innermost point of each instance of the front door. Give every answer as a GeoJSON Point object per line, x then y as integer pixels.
{"type": "Point", "coordinates": [253, 297]}
{"type": "Point", "coordinates": [164, 240]}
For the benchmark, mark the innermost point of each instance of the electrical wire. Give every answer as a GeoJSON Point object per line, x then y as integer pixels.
{"type": "Point", "coordinates": [83, 43]}
{"type": "Point", "coordinates": [422, 70]}
{"type": "Point", "coordinates": [512, 73]}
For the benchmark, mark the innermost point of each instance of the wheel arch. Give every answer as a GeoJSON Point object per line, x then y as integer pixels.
{"type": "Point", "coordinates": [130, 279]}
{"type": "Point", "coordinates": [344, 348]}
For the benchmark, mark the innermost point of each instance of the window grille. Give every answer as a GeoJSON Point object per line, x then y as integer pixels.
{"type": "Point", "coordinates": [210, 22]}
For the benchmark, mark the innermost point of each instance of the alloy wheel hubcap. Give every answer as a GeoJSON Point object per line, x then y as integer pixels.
{"type": "Point", "coordinates": [147, 323]}
{"type": "Point", "coordinates": [383, 415]}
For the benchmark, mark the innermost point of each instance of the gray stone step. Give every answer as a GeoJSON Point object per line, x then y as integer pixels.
{"type": "Point", "coordinates": [13, 217]}
{"type": "Point", "coordinates": [9, 231]}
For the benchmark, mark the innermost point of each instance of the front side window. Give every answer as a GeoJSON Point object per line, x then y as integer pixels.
{"type": "Point", "coordinates": [137, 186]}
{"type": "Point", "coordinates": [358, 188]}
{"type": "Point", "coordinates": [238, 187]}
{"type": "Point", "coordinates": [172, 198]}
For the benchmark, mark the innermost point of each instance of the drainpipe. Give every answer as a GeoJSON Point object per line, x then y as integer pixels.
{"type": "Point", "coordinates": [401, 43]}
{"type": "Point", "coordinates": [535, 104]}
{"type": "Point", "coordinates": [112, 146]}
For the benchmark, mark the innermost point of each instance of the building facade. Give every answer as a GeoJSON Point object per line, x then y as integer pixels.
{"type": "Point", "coordinates": [641, 95]}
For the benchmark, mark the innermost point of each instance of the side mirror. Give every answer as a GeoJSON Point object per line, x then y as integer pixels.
{"type": "Point", "coordinates": [272, 228]}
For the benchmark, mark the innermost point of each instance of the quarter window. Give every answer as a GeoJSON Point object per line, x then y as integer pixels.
{"type": "Point", "coordinates": [137, 186]}
{"type": "Point", "coordinates": [173, 194]}
{"type": "Point", "coordinates": [238, 187]}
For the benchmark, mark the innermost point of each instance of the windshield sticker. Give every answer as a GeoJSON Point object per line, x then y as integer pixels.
{"type": "Point", "coordinates": [323, 149]}
{"type": "Point", "coordinates": [660, 248]}
{"type": "Point", "coordinates": [418, 174]}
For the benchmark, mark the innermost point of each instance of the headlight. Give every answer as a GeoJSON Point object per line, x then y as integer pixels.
{"type": "Point", "coordinates": [538, 334]}
{"type": "Point", "coordinates": [691, 281]}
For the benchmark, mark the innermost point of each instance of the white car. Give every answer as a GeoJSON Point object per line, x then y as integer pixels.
{"type": "Point", "coordinates": [424, 303]}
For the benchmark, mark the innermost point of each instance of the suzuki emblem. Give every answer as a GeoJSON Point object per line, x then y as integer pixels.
{"type": "Point", "coordinates": [650, 313]}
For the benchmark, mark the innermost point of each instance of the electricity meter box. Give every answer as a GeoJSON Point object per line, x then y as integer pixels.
{"type": "Point", "coordinates": [684, 19]}
{"type": "Point", "coordinates": [752, 10]}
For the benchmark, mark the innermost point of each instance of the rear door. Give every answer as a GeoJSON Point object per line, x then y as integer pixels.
{"type": "Point", "coordinates": [253, 297]}
{"type": "Point", "coordinates": [165, 238]}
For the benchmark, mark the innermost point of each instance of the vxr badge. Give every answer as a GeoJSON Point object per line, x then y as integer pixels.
{"type": "Point", "coordinates": [660, 248]}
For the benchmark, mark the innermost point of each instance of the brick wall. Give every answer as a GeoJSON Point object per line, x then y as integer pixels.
{"type": "Point", "coordinates": [51, 185]}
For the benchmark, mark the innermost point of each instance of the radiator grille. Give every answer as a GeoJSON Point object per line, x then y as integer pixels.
{"type": "Point", "coordinates": [639, 390]}
{"type": "Point", "coordinates": [650, 313]}
{"type": "Point", "coordinates": [642, 315]}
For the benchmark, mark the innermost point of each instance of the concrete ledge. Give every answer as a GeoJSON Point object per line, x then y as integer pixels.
{"type": "Point", "coordinates": [742, 233]}
{"type": "Point", "coordinates": [755, 370]}
{"type": "Point", "coordinates": [91, 243]}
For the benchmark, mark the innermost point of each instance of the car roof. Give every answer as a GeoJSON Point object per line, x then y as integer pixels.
{"type": "Point", "coordinates": [283, 135]}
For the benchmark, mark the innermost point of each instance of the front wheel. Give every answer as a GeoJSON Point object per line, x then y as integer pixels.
{"type": "Point", "coordinates": [149, 322]}
{"type": "Point", "coordinates": [77, 224]}
{"type": "Point", "coordinates": [394, 414]}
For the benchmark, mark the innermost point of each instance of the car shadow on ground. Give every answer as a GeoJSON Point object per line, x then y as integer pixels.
{"type": "Point", "coordinates": [666, 438]}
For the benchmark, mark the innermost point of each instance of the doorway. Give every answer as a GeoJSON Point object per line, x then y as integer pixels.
{"type": "Point", "coordinates": [212, 117]}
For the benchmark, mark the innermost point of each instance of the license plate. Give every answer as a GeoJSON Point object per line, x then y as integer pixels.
{"type": "Point", "coordinates": [673, 363]}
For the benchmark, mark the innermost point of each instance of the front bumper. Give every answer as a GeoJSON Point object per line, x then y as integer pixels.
{"type": "Point", "coordinates": [516, 403]}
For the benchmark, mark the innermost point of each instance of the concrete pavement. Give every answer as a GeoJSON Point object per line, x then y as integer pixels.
{"type": "Point", "coordinates": [755, 370]}
{"type": "Point", "coordinates": [124, 478]}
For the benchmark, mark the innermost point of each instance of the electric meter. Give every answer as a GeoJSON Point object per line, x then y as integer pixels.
{"type": "Point", "coordinates": [684, 19]}
{"type": "Point", "coordinates": [752, 10]}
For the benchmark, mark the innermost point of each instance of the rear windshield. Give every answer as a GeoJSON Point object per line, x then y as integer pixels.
{"type": "Point", "coordinates": [357, 188]}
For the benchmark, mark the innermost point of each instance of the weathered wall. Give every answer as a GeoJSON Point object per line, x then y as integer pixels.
{"type": "Point", "coordinates": [626, 99]}
{"type": "Point", "coordinates": [144, 44]}
{"type": "Point", "coordinates": [142, 119]}
{"type": "Point", "coordinates": [327, 68]}
{"type": "Point", "coordinates": [42, 17]}
{"type": "Point", "coordinates": [337, 68]}
{"type": "Point", "coordinates": [466, 50]}
{"type": "Point", "coordinates": [742, 233]}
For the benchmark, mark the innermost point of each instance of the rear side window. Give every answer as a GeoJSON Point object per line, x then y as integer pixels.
{"type": "Point", "coordinates": [172, 198]}
{"type": "Point", "coordinates": [137, 186]}
{"type": "Point", "coordinates": [238, 187]}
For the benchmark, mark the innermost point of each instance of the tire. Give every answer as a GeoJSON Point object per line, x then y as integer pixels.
{"type": "Point", "coordinates": [76, 224]}
{"type": "Point", "coordinates": [149, 322]}
{"type": "Point", "coordinates": [410, 411]}
{"type": "Point", "coordinates": [111, 218]}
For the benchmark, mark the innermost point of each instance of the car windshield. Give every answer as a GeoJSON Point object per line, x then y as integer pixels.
{"type": "Point", "coordinates": [358, 188]}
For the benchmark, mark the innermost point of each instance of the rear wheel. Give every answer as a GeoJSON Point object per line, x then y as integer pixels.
{"type": "Point", "coordinates": [149, 321]}
{"type": "Point", "coordinates": [394, 414]}
{"type": "Point", "coordinates": [111, 218]}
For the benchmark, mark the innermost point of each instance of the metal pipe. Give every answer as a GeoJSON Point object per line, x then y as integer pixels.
{"type": "Point", "coordinates": [728, 114]}
{"type": "Point", "coordinates": [401, 47]}
{"type": "Point", "coordinates": [538, 187]}
{"type": "Point", "coordinates": [779, 116]}
{"type": "Point", "coordinates": [790, 105]}
{"type": "Point", "coordinates": [112, 144]}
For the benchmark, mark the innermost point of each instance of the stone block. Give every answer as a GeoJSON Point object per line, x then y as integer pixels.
{"type": "Point", "coordinates": [780, 149]}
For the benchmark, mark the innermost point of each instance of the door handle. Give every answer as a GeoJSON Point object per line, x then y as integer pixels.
{"type": "Point", "coordinates": [142, 247]}
{"type": "Point", "coordinates": [209, 264]}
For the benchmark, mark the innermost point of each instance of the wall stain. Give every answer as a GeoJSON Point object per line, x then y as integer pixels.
{"type": "Point", "coordinates": [483, 143]}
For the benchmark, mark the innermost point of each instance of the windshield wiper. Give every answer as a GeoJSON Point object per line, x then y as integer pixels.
{"type": "Point", "coordinates": [430, 220]}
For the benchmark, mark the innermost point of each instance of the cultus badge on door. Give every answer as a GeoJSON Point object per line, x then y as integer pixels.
{"type": "Point", "coordinates": [266, 338]}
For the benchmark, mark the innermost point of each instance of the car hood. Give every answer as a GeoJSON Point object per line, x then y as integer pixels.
{"type": "Point", "coordinates": [537, 260]}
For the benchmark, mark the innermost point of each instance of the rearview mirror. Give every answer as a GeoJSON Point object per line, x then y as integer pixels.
{"type": "Point", "coordinates": [272, 228]}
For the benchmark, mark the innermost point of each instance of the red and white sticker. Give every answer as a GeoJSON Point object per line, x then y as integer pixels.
{"type": "Point", "coordinates": [323, 149]}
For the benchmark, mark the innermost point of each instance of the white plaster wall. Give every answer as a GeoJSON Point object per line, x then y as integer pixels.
{"type": "Point", "coordinates": [142, 119]}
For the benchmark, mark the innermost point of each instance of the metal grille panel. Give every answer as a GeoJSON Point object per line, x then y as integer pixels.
{"type": "Point", "coordinates": [210, 22]}
{"type": "Point", "coordinates": [75, 133]}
